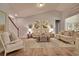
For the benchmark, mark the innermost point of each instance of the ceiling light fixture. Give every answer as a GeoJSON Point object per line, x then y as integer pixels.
{"type": "Point", "coordinates": [40, 4]}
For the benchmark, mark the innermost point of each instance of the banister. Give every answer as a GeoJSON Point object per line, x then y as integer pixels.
{"type": "Point", "coordinates": [14, 25]}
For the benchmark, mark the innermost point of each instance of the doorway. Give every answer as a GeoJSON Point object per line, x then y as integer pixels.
{"type": "Point", "coordinates": [57, 26]}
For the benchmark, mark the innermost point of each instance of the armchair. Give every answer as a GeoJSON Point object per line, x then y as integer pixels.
{"type": "Point", "coordinates": [11, 43]}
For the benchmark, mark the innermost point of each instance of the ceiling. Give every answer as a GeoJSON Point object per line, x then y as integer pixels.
{"type": "Point", "coordinates": [28, 9]}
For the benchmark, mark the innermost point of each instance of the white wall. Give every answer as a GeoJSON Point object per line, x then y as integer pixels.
{"type": "Point", "coordinates": [71, 20]}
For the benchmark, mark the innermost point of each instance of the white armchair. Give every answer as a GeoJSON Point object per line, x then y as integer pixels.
{"type": "Point", "coordinates": [11, 42]}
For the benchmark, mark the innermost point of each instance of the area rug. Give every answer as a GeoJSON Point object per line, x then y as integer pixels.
{"type": "Point", "coordinates": [32, 43]}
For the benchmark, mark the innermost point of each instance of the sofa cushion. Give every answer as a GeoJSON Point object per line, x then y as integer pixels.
{"type": "Point", "coordinates": [66, 33]}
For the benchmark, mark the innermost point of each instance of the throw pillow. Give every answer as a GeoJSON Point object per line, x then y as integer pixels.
{"type": "Point", "coordinates": [13, 37]}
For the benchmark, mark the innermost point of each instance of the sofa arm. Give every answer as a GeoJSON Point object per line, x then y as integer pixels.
{"type": "Point", "coordinates": [77, 43]}
{"type": "Point", "coordinates": [13, 42]}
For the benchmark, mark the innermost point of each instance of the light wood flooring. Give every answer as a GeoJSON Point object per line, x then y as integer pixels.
{"type": "Point", "coordinates": [45, 52]}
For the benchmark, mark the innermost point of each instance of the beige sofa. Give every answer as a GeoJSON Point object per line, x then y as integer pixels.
{"type": "Point", "coordinates": [68, 36]}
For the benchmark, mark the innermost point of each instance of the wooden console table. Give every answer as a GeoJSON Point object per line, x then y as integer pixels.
{"type": "Point", "coordinates": [43, 38]}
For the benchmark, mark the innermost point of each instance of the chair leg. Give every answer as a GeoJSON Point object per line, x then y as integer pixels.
{"type": "Point", "coordinates": [5, 53]}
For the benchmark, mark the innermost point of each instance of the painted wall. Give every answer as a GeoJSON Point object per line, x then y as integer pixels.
{"type": "Point", "coordinates": [50, 16]}
{"type": "Point", "coordinates": [71, 21]}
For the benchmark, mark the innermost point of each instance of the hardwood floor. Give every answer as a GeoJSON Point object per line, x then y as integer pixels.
{"type": "Point", "coordinates": [33, 48]}
{"type": "Point", "coordinates": [45, 52]}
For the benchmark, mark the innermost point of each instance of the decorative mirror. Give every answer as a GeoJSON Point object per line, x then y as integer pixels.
{"type": "Point", "coordinates": [2, 21]}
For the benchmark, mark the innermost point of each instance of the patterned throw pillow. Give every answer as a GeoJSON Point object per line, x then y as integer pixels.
{"type": "Point", "coordinates": [12, 37]}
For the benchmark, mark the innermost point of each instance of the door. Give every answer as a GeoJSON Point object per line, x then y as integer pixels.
{"type": "Point", "coordinates": [57, 26]}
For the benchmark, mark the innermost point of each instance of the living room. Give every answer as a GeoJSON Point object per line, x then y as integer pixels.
{"type": "Point", "coordinates": [39, 29]}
